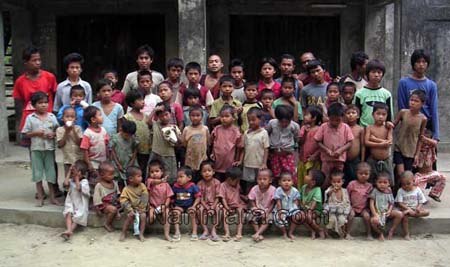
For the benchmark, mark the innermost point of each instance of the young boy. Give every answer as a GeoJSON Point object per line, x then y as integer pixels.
{"type": "Point", "coordinates": [267, 97]}
{"type": "Point", "coordinates": [287, 68]}
{"type": "Point", "coordinates": [144, 59]}
{"type": "Point", "coordinates": [73, 65]}
{"type": "Point", "coordinates": [117, 95]}
{"type": "Point", "coordinates": [40, 127]}
{"type": "Point", "coordinates": [378, 138]}
{"type": "Point", "coordinates": [373, 93]}
{"type": "Point", "coordinates": [77, 95]}
{"type": "Point", "coordinates": [237, 72]}
{"type": "Point", "coordinates": [348, 92]}
{"type": "Point", "coordinates": [124, 150]}
{"type": "Point", "coordinates": [315, 93]}
{"type": "Point", "coordinates": [357, 151]}
{"type": "Point", "coordinates": [165, 93]}
{"type": "Point", "coordinates": [145, 87]}
{"type": "Point", "coordinates": [251, 93]}
{"type": "Point", "coordinates": [226, 88]}
{"type": "Point", "coordinates": [193, 72]}
{"type": "Point", "coordinates": [334, 139]}
{"type": "Point", "coordinates": [175, 67]}
{"type": "Point", "coordinates": [288, 98]}
{"type": "Point", "coordinates": [68, 138]}
{"type": "Point", "coordinates": [192, 98]}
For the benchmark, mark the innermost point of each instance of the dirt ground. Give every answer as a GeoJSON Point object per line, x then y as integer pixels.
{"type": "Point", "coordinates": [31, 245]}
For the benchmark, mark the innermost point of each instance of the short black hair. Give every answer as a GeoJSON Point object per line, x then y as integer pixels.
{"type": "Point", "coordinates": [193, 66]}
{"type": "Point", "coordinates": [266, 91]}
{"type": "Point", "coordinates": [28, 51]}
{"type": "Point", "coordinates": [349, 84]}
{"type": "Point", "coordinates": [156, 162]}
{"type": "Point", "coordinates": [333, 84]}
{"type": "Point", "coordinates": [190, 92]}
{"type": "Point", "coordinates": [36, 97]}
{"type": "Point", "coordinates": [354, 107]}
{"type": "Point", "coordinates": [288, 80]}
{"type": "Point", "coordinates": [145, 49]}
{"type": "Point", "coordinates": [287, 56]}
{"type": "Point", "coordinates": [379, 105]}
{"type": "Point", "coordinates": [375, 64]}
{"type": "Point", "coordinates": [196, 107]}
{"type": "Point", "coordinates": [284, 112]}
{"type": "Point", "coordinates": [317, 176]}
{"type": "Point", "coordinates": [418, 54]}
{"type": "Point", "coordinates": [249, 84]}
{"type": "Point", "coordinates": [226, 78]}
{"type": "Point", "coordinates": [267, 60]}
{"type": "Point", "coordinates": [313, 64]}
{"type": "Point", "coordinates": [142, 73]}
{"type": "Point", "coordinates": [68, 108]}
{"type": "Point", "coordinates": [81, 166]}
{"type": "Point", "coordinates": [386, 175]}
{"type": "Point", "coordinates": [166, 108]}
{"type": "Point", "coordinates": [109, 71]}
{"type": "Point", "coordinates": [233, 173]}
{"type": "Point", "coordinates": [132, 96]}
{"type": "Point", "coordinates": [336, 109]}
{"type": "Point", "coordinates": [101, 83]}
{"type": "Point", "coordinates": [103, 166]}
{"type": "Point", "coordinates": [89, 113]}
{"type": "Point", "coordinates": [205, 163]}
{"type": "Point", "coordinates": [236, 62]}
{"type": "Point", "coordinates": [132, 171]}
{"type": "Point", "coordinates": [285, 173]}
{"type": "Point", "coordinates": [336, 172]}
{"type": "Point", "coordinates": [420, 94]}
{"type": "Point", "coordinates": [175, 62]}
{"type": "Point", "coordinates": [255, 110]}
{"type": "Point", "coordinates": [77, 87]}
{"type": "Point", "coordinates": [166, 83]}
{"type": "Point", "coordinates": [363, 165]}
{"type": "Point", "coordinates": [128, 127]}
{"type": "Point", "coordinates": [71, 58]}
{"type": "Point", "coordinates": [358, 58]}
{"type": "Point", "coordinates": [187, 170]}
{"type": "Point", "coordinates": [227, 107]}
{"type": "Point", "coordinates": [315, 112]}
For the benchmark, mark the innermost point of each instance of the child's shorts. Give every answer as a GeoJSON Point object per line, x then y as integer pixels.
{"type": "Point", "coordinates": [43, 166]}
{"type": "Point", "coordinates": [400, 159]}
{"type": "Point", "coordinates": [350, 170]}
{"type": "Point", "coordinates": [379, 166]}
{"type": "Point", "coordinates": [303, 168]}
{"type": "Point", "coordinates": [328, 166]}
{"type": "Point", "coordinates": [283, 163]}
{"type": "Point", "coordinates": [249, 174]}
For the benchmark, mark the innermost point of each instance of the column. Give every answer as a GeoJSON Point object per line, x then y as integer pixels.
{"type": "Point", "coordinates": [4, 138]}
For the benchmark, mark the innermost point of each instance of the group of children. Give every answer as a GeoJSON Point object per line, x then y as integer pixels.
{"type": "Point", "coordinates": [327, 147]}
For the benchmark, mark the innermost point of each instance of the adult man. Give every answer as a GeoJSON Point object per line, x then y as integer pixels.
{"type": "Point", "coordinates": [214, 72]}
{"type": "Point", "coordinates": [304, 76]}
{"type": "Point", "coordinates": [358, 63]}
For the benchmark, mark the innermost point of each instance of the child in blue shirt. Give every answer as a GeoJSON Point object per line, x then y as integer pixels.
{"type": "Point", "coordinates": [78, 103]}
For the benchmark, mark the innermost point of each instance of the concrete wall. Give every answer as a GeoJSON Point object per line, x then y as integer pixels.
{"type": "Point", "coordinates": [3, 113]}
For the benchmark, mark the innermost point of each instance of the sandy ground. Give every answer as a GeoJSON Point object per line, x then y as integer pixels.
{"type": "Point", "coordinates": [30, 245]}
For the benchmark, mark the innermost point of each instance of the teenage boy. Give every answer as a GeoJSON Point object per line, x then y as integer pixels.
{"type": "Point", "coordinates": [175, 68]}
{"type": "Point", "coordinates": [287, 68]}
{"type": "Point", "coordinates": [304, 76]}
{"type": "Point", "coordinates": [237, 72]}
{"type": "Point", "coordinates": [315, 93]}
{"type": "Point", "coordinates": [193, 71]}
{"type": "Point", "coordinates": [358, 63]}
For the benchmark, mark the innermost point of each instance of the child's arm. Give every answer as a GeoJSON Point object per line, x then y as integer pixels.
{"type": "Point", "coordinates": [373, 210]}
{"type": "Point", "coordinates": [265, 158]}
{"type": "Point", "coordinates": [419, 141]}
{"type": "Point", "coordinates": [325, 149]}
{"type": "Point", "coordinates": [399, 117]}
{"type": "Point", "coordinates": [133, 157]}
{"type": "Point", "coordinates": [278, 204]}
{"type": "Point", "coordinates": [362, 144]}
{"type": "Point", "coordinates": [116, 160]}
{"type": "Point", "coordinates": [368, 141]}
{"type": "Point", "coordinates": [313, 205]}
{"type": "Point", "coordinates": [343, 149]}
{"type": "Point", "coordinates": [389, 136]}
{"type": "Point", "coordinates": [37, 133]}
{"type": "Point", "coordinates": [66, 182]}
{"type": "Point", "coordinates": [403, 206]}
{"type": "Point", "coordinates": [212, 138]}
{"type": "Point", "coordinates": [87, 159]}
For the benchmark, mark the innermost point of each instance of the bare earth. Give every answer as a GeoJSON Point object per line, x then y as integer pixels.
{"type": "Point", "coordinates": [30, 245]}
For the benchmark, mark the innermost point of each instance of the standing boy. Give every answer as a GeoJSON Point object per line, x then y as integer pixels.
{"type": "Point", "coordinates": [226, 88]}
{"type": "Point", "coordinates": [315, 93]}
{"type": "Point", "coordinates": [357, 151]}
{"type": "Point", "coordinates": [237, 72]}
{"type": "Point", "coordinates": [193, 71]}
{"type": "Point", "coordinates": [287, 68]}
{"type": "Point", "coordinates": [358, 63]}
{"type": "Point", "coordinates": [175, 68]}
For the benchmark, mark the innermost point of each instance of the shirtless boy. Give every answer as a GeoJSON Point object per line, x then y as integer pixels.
{"type": "Point", "coordinates": [357, 151]}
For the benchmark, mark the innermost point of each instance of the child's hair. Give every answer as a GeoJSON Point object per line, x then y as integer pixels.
{"type": "Point", "coordinates": [156, 163]}
{"type": "Point", "coordinates": [255, 110]}
{"type": "Point", "coordinates": [101, 83]}
{"type": "Point", "coordinates": [418, 54]}
{"type": "Point", "coordinates": [250, 83]}
{"type": "Point", "coordinates": [286, 174]}
{"type": "Point", "coordinates": [332, 84]}
{"type": "Point", "coordinates": [71, 58]}
{"type": "Point", "coordinates": [380, 105]}
{"type": "Point", "coordinates": [166, 83]}
{"type": "Point", "coordinates": [69, 108]}
{"type": "Point", "coordinates": [375, 64]}
{"type": "Point", "coordinates": [28, 51]}
{"type": "Point", "coordinates": [187, 170]}
{"type": "Point", "coordinates": [175, 63]}
{"type": "Point", "coordinates": [225, 79]}
{"type": "Point", "coordinates": [317, 176]}
{"type": "Point", "coordinates": [81, 166]}
{"type": "Point", "coordinates": [287, 56]}
{"type": "Point", "coordinates": [228, 108]}
{"type": "Point", "coordinates": [132, 171]}
{"type": "Point", "coordinates": [288, 80]}
{"type": "Point", "coordinates": [205, 163]}
{"type": "Point", "coordinates": [236, 62]}
{"type": "Point", "coordinates": [420, 94]}
{"type": "Point", "coordinates": [358, 58]}
{"type": "Point", "coordinates": [193, 66]}
{"type": "Point", "coordinates": [349, 84]}
{"type": "Point", "coordinates": [105, 165]}
{"type": "Point", "coordinates": [266, 170]}
{"type": "Point", "coordinates": [384, 175]}
{"type": "Point", "coordinates": [89, 113]}
{"type": "Point", "coordinates": [132, 96]}
{"type": "Point", "coordinates": [162, 104]}
{"type": "Point", "coordinates": [313, 64]}
{"type": "Point", "coordinates": [267, 60]}
{"type": "Point", "coordinates": [143, 73]}
{"type": "Point", "coordinates": [406, 175]}
{"type": "Point", "coordinates": [196, 107]}
{"type": "Point", "coordinates": [145, 49]}
{"type": "Point", "coordinates": [337, 173]}
{"type": "Point", "coordinates": [109, 71]}
{"type": "Point", "coordinates": [128, 127]}
{"type": "Point", "coordinates": [36, 97]}
{"type": "Point", "coordinates": [77, 87]}
{"type": "Point", "coordinates": [352, 107]}
{"type": "Point", "coordinates": [336, 109]}
{"type": "Point", "coordinates": [315, 112]}
{"type": "Point", "coordinates": [265, 92]}
{"type": "Point", "coordinates": [191, 92]}
{"type": "Point", "coordinates": [362, 166]}
{"type": "Point", "coordinates": [233, 173]}
{"type": "Point", "coordinates": [284, 112]}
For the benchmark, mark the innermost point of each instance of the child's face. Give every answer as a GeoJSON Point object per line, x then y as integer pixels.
{"type": "Point", "coordinates": [107, 174]}
{"type": "Point", "coordinates": [382, 183]}
{"type": "Point", "coordinates": [363, 175]}
{"type": "Point", "coordinates": [126, 136]}
{"type": "Point", "coordinates": [407, 184]}
{"type": "Point", "coordinates": [138, 104]}
{"type": "Point", "coordinates": [251, 92]}
{"type": "Point", "coordinates": [309, 180]}
{"type": "Point", "coordinates": [351, 115]}
{"type": "Point", "coordinates": [105, 93]}
{"type": "Point", "coordinates": [317, 74]}
{"type": "Point", "coordinates": [333, 93]}
{"type": "Point", "coordinates": [335, 121]}
{"type": "Point", "coordinates": [76, 172]}
{"type": "Point", "coordinates": [415, 103]}
{"type": "Point", "coordinates": [267, 100]}
{"type": "Point", "coordinates": [253, 121]}
{"type": "Point", "coordinates": [237, 73]}
{"type": "Point", "coordinates": [77, 96]}
{"type": "Point", "coordinates": [380, 116]}
{"type": "Point", "coordinates": [337, 182]}
{"type": "Point", "coordinates": [196, 117]}
{"type": "Point", "coordinates": [287, 67]}
{"type": "Point", "coordinates": [267, 71]}
{"type": "Point", "coordinates": [284, 123]}
{"type": "Point", "coordinates": [74, 69]}
{"type": "Point", "coordinates": [192, 100]}
{"type": "Point", "coordinates": [307, 118]}
{"type": "Point", "coordinates": [164, 117]}
{"type": "Point", "coordinates": [375, 76]}
{"type": "Point", "coordinates": [182, 178]}
{"type": "Point", "coordinates": [136, 179]}
{"type": "Point", "coordinates": [34, 63]}
{"type": "Point", "coordinates": [41, 105]}
{"type": "Point", "coordinates": [193, 76]}
{"type": "Point", "coordinates": [347, 94]}
{"type": "Point", "coordinates": [165, 92]}
{"type": "Point", "coordinates": [264, 179]}
{"type": "Point", "coordinates": [226, 118]}
{"type": "Point", "coordinates": [112, 77]}
{"type": "Point", "coordinates": [287, 90]}
{"type": "Point", "coordinates": [420, 66]}
{"type": "Point", "coordinates": [155, 172]}
{"type": "Point", "coordinates": [174, 73]}
{"type": "Point", "coordinates": [69, 115]}
{"type": "Point", "coordinates": [226, 88]}
{"type": "Point", "coordinates": [145, 83]}
{"type": "Point", "coordinates": [98, 118]}
{"type": "Point", "coordinates": [207, 172]}
{"type": "Point", "coordinates": [144, 61]}
{"type": "Point", "coordinates": [232, 182]}
{"type": "Point", "coordinates": [286, 182]}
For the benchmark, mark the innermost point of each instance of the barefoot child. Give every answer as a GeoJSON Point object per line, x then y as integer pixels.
{"type": "Point", "coordinates": [357, 151]}
{"type": "Point", "coordinates": [68, 138]}
{"type": "Point", "coordinates": [124, 150]}
{"type": "Point", "coordinates": [311, 195]}
{"type": "Point", "coordinates": [112, 112]}
{"type": "Point", "coordinates": [76, 207]}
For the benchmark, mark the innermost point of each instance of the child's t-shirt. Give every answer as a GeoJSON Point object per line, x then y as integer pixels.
{"type": "Point", "coordinates": [159, 145]}
{"type": "Point", "coordinates": [134, 198]}
{"type": "Point", "coordinates": [310, 145]}
{"type": "Point", "coordinates": [365, 98]}
{"type": "Point", "coordinates": [159, 193]}
{"type": "Point", "coordinates": [209, 191]}
{"type": "Point", "coordinates": [287, 200]}
{"type": "Point", "coordinates": [334, 138]}
{"type": "Point", "coordinates": [263, 200]}
{"type": "Point", "coordinates": [184, 196]}
{"type": "Point", "coordinates": [232, 195]}
{"type": "Point", "coordinates": [105, 196]}
{"type": "Point", "coordinates": [243, 119]}
{"type": "Point", "coordinates": [218, 104]}
{"type": "Point", "coordinates": [239, 94]}
{"type": "Point", "coordinates": [266, 118]}
{"type": "Point", "coordinates": [124, 150]}
{"type": "Point", "coordinates": [314, 194]}
{"type": "Point", "coordinates": [34, 123]}
{"type": "Point", "coordinates": [150, 101]}
{"type": "Point", "coordinates": [79, 111]}
{"type": "Point", "coordinates": [359, 194]}
{"type": "Point", "coordinates": [142, 133]}
{"type": "Point", "coordinates": [225, 142]}
{"type": "Point", "coordinates": [283, 139]}
{"type": "Point", "coordinates": [411, 198]}
{"type": "Point", "coordinates": [187, 119]}
{"type": "Point", "coordinates": [382, 200]}
{"type": "Point", "coordinates": [276, 88]}
{"type": "Point", "coordinates": [110, 120]}
{"type": "Point", "coordinates": [195, 139]}
{"type": "Point", "coordinates": [255, 142]}
{"type": "Point", "coordinates": [177, 113]}
{"type": "Point", "coordinates": [96, 142]}
{"type": "Point", "coordinates": [71, 150]}
{"type": "Point", "coordinates": [314, 94]}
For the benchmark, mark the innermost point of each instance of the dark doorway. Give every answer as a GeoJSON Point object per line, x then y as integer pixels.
{"type": "Point", "coordinates": [110, 41]}
{"type": "Point", "coordinates": [255, 37]}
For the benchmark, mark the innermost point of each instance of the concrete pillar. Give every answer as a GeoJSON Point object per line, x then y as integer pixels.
{"type": "Point", "coordinates": [45, 38]}
{"type": "Point", "coordinates": [352, 37]}
{"type": "Point", "coordinates": [192, 31]}
{"type": "Point", "coordinates": [4, 138]}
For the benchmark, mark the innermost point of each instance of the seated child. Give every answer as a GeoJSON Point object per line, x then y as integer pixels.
{"type": "Point", "coordinates": [357, 151]}
{"type": "Point", "coordinates": [134, 201]}
{"type": "Point", "coordinates": [192, 98]}
{"type": "Point", "coordinates": [112, 112]}
{"type": "Point", "coordinates": [267, 97]}
{"type": "Point", "coordinates": [76, 207]}
{"type": "Point", "coordinates": [68, 138]}
{"type": "Point", "coordinates": [77, 102]}
{"type": "Point", "coordinates": [124, 149]}
{"type": "Point", "coordinates": [311, 197]}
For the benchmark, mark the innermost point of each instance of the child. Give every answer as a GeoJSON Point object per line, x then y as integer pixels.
{"type": "Point", "coordinates": [77, 96]}
{"type": "Point", "coordinates": [175, 68]}
{"type": "Point", "coordinates": [357, 151]}
{"type": "Point", "coordinates": [267, 97]}
{"type": "Point", "coordinates": [309, 152]}
{"type": "Point", "coordinates": [334, 139]}
{"type": "Point", "coordinates": [256, 148]}
{"type": "Point", "coordinates": [410, 200]}
{"type": "Point", "coordinates": [160, 195]}
{"type": "Point", "coordinates": [333, 96]}
{"type": "Point", "coordinates": [378, 138]}
{"type": "Point", "coordinates": [68, 138]}
{"type": "Point", "coordinates": [412, 126]}
{"type": "Point", "coordinates": [112, 113]}
{"type": "Point", "coordinates": [106, 195]}
{"type": "Point", "coordinates": [145, 83]}
{"type": "Point", "coordinates": [94, 143]}
{"type": "Point", "coordinates": [124, 150]}
{"type": "Point", "coordinates": [195, 139]}
{"type": "Point", "coordinates": [237, 72]}
{"type": "Point", "coordinates": [134, 201]}
{"type": "Point", "coordinates": [209, 189]}
{"type": "Point", "coordinates": [311, 196]}
{"type": "Point", "coordinates": [186, 199]}
{"type": "Point", "coordinates": [287, 68]}
{"type": "Point", "coordinates": [165, 93]}
{"type": "Point", "coordinates": [233, 203]}
{"type": "Point", "coordinates": [226, 140]}
{"type": "Point", "coordinates": [358, 192]}
{"type": "Point", "coordinates": [261, 202]}
{"type": "Point", "coordinates": [348, 92]}
{"type": "Point", "coordinates": [337, 204]}
{"type": "Point", "coordinates": [283, 135]}
{"type": "Point", "coordinates": [381, 206]}
{"type": "Point", "coordinates": [315, 93]}
{"type": "Point", "coordinates": [76, 207]}
{"type": "Point", "coordinates": [162, 149]}
{"type": "Point", "coordinates": [40, 126]}
{"type": "Point", "coordinates": [251, 94]}
{"type": "Point", "coordinates": [267, 69]}
{"type": "Point", "coordinates": [135, 100]}
{"type": "Point", "coordinates": [372, 93]}
{"type": "Point", "coordinates": [226, 88]}
{"type": "Point", "coordinates": [191, 97]}
{"type": "Point", "coordinates": [288, 98]}
{"type": "Point", "coordinates": [117, 96]}
{"type": "Point", "coordinates": [193, 72]}
{"type": "Point", "coordinates": [287, 204]}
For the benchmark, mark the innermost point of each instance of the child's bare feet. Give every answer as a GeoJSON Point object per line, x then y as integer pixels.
{"type": "Point", "coordinates": [255, 238]}
{"type": "Point", "coordinates": [348, 237]}
{"type": "Point", "coordinates": [313, 235]}
{"type": "Point", "coordinates": [40, 202]}
{"type": "Point", "coordinates": [108, 227]}
{"type": "Point", "coordinates": [141, 237]}
{"type": "Point", "coordinates": [369, 237]}
{"type": "Point", "coordinates": [390, 235]}
{"type": "Point", "coordinates": [122, 237]}
{"type": "Point", "coordinates": [56, 202]}
{"type": "Point", "coordinates": [168, 238]}
{"type": "Point", "coordinates": [291, 237]}
{"type": "Point", "coordinates": [66, 235]}
{"type": "Point", "coordinates": [407, 237]}
{"type": "Point", "coordinates": [381, 237]}
{"type": "Point", "coordinates": [322, 234]}
{"type": "Point", "coordinates": [238, 238]}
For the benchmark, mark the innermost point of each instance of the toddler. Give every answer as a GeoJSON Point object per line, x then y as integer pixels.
{"type": "Point", "coordinates": [68, 138]}
{"type": "Point", "coordinates": [311, 197]}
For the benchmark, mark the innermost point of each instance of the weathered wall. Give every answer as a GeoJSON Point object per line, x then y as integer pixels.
{"type": "Point", "coordinates": [3, 113]}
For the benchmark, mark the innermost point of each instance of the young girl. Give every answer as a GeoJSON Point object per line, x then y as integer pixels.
{"type": "Point", "coordinates": [124, 149]}
{"type": "Point", "coordinates": [209, 189]}
{"type": "Point", "coordinates": [311, 196]}
{"type": "Point", "coordinates": [76, 207]}
{"type": "Point", "coordinates": [226, 142]}
{"type": "Point", "coordinates": [333, 96]}
{"type": "Point", "coordinates": [68, 138]}
{"type": "Point", "coordinates": [288, 98]}
{"type": "Point", "coordinates": [287, 204]}
{"type": "Point", "coordinates": [160, 195]}
{"type": "Point", "coordinates": [381, 206]}
{"type": "Point", "coordinates": [410, 200]}
{"type": "Point", "coordinates": [261, 202]}
{"type": "Point", "coordinates": [337, 204]}
{"type": "Point", "coordinates": [106, 195]}
{"type": "Point", "coordinates": [309, 153]}
{"type": "Point", "coordinates": [112, 112]}
{"type": "Point", "coordinates": [267, 68]}
{"type": "Point", "coordinates": [283, 135]}
{"type": "Point", "coordinates": [267, 98]}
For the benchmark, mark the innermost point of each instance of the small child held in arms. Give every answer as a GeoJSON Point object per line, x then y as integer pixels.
{"type": "Point", "coordinates": [226, 140]}
{"type": "Point", "coordinates": [78, 103]}
{"type": "Point", "coordinates": [124, 149]}
{"type": "Point", "coordinates": [40, 127]}
{"type": "Point", "coordinates": [267, 97]}
{"type": "Point", "coordinates": [261, 202]}
{"type": "Point", "coordinates": [288, 98]}
{"type": "Point", "coordinates": [134, 202]}
{"type": "Point", "coordinates": [165, 92]}
{"type": "Point", "coordinates": [192, 98]}
{"type": "Point", "coordinates": [283, 135]}
{"type": "Point", "coordinates": [160, 195]}
{"type": "Point", "coordinates": [410, 200]}
{"type": "Point", "coordinates": [76, 207]}
{"type": "Point", "coordinates": [186, 198]}
{"type": "Point", "coordinates": [287, 206]}
{"type": "Point", "coordinates": [348, 92]}
{"type": "Point", "coordinates": [311, 197]}
{"type": "Point", "coordinates": [334, 139]}
{"type": "Point", "coordinates": [357, 151]}
{"type": "Point", "coordinates": [68, 138]}
{"type": "Point", "coordinates": [145, 83]}
{"type": "Point", "coordinates": [381, 206]}
{"type": "Point", "coordinates": [251, 94]}
{"type": "Point", "coordinates": [112, 112]}
{"type": "Point", "coordinates": [226, 98]}
{"type": "Point", "coordinates": [106, 195]}
{"type": "Point", "coordinates": [209, 189]}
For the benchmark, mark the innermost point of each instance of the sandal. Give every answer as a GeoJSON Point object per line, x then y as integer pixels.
{"type": "Point", "coordinates": [194, 237]}
{"type": "Point", "coordinates": [214, 238]}
{"type": "Point", "coordinates": [176, 238]}
{"type": "Point", "coordinates": [204, 237]}
{"type": "Point", "coordinates": [226, 238]}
